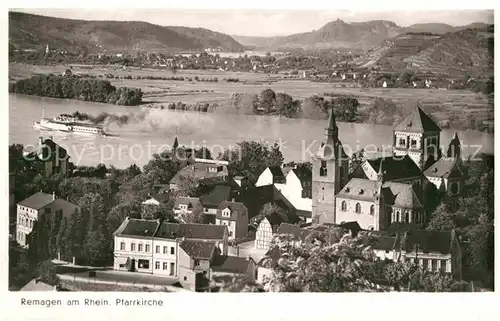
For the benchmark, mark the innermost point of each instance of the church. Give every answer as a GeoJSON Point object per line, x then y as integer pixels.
{"type": "Point", "coordinates": [387, 189]}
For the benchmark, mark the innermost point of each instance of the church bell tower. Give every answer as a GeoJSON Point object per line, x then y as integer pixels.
{"type": "Point", "coordinates": [330, 174]}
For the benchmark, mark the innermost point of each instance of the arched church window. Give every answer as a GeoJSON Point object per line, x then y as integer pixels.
{"type": "Point", "coordinates": [343, 206]}
{"type": "Point", "coordinates": [407, 217]}
{"type": "Point", "coordinates": [372, 210]}
{"type": "Point", "coordinates": [397, 216]}
{"type": "Point", "coordinates": [454, 188]}
{"type": "Point", "coordinates": [358, 208]}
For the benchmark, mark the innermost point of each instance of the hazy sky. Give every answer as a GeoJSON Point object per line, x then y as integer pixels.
{"type": "Point", "coordinates": [266, 22]}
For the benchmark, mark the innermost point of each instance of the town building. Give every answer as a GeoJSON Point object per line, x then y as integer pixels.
{"type": "Point", "coordinates": [133, 245]}
{"type": "Point", "coordinates": [433, 250]}
{"type": "Point", "coordinates": [224, 269]}
{"type": "Point", "coordinates": [34, 207]}
{"type": "Point", "coordinates": [152, 246]}
{"type": "Point", "coordinates": [203, 268]}
{"type": "Point", "coordinates": [212, 196]}
{"type": "Point", "coordinates": [188, 209]}
{"type": "Point", "coordinates": [194, 263]}
{"type": "Point", "coordinates": [234, 215]}
{"type": "Point", "coordinates": [267, 227]}
{"type": "Point", "coordinates": [55, 158]}
{"type": "Point", "coordinates": [294, 183]}
{"type": "Point", "coordinates": [387, 189]}
{"type": "Point", "coordinates": [200, 169]}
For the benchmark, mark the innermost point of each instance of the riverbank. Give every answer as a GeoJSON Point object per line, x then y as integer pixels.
{"type": "Point", "coordinates": [459, 109]}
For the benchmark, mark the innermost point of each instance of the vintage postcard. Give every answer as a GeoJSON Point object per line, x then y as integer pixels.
{"type": "Point", "coordinates": [183, 150]}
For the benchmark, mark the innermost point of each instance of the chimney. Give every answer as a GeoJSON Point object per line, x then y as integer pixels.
{"type": "Point", "coordinates": [40, 140]}
{"type": "Point", "coordinates": [53, 196]}
{"type": "Point", "coordinates": [51, 138]}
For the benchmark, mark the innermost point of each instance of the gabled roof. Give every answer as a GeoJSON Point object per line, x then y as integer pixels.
{"type": "Point", "coordinates": [296, 232]}
{"type": "Point", "coordinates": [137, 227]}
{"type": "Point", "coordinates": [403, 195]}
{"type": "Point", "coordinates": [395, 167]}
{"type": "Point", "coordinates": [191, 202]}
{"type": "Point", "coordinates": [199, 171]}
{"type": "Point", "coordinates": [417, 122]}
{"type": "Point", "coordinates": [428, 241]}
{"type": "Point", "coordinates": [191, 231]}
{"type": "Point", "coordinates": [37, 200]}
{"type": "Point", "coordinates": [237, 210]}
{"type": "Point", "coordinates": [198, 249]}
{"type": "Point", "coordinates": [215, 194]}
{"type": "Point", "coordinates": [230, 264]}
{"type": "Point", "coordinates": [445, 167]}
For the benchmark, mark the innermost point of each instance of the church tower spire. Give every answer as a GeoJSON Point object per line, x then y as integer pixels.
{"type": "Point", "coordinates": [330, 174]}
{"type": "Point", "coordinates": [455, 147]}
{"type": "Point", "coordinates": [332, 131]}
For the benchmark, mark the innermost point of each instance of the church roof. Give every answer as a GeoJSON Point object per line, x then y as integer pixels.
{"type": "Point", "coordinates": [396, 167]}
{"type": "Point", "coordinates": [403, 195]}
{"type": "Point", "coordinates": [395, 194]}
{"type": "Point", "coordinates": [445, 167]}
{"type": "Point", "coordinates": [417, 122]}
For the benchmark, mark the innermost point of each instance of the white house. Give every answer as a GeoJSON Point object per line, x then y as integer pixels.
{"type": "Point", "coordinates": [133, 245]}
{"type": "Point", "coordinates": [297, 190]}
{"type": "Point", "coordinates": [151, 246]}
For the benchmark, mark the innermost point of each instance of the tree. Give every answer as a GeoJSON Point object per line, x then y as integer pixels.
{"type": "Point", "coordinates": [250, 158]}
{"type": "Point", "coordinates": [345, 108]}
{"type": "Point", "coordinates": [313, 266]}
{"type": "Point", "coordinates": [356, 160]}
{"type": "Point", "coordinates": [315, 107]}
{"type": "Point", "coordinates": [269, 209]}
{"type": "Point", "coordinates": [383, 112]}
{"type": "Point", "coordinates": [275, 155]}
{"type": "Point", "coordinates": [267, 100]}
{"type": "Point", "coordinates": [286, 106]}
{"type": "Point", "coordinates": [188, 185]}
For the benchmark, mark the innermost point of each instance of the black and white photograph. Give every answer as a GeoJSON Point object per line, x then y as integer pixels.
{"type": "Point", "coordinates": [237, 150]}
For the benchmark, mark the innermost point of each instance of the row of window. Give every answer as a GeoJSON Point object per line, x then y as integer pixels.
{"type": "Point", "coordinates": [357, 208]}
{"type": "Point", "coordinates": [401, 217]}
{"type": "Point", "coordinates": [158, 266]}
{"type": "Point", "coordinates": [21, 237]}
{"type": "Point", "coordinates": [25, 221]}
{"type": "Point", "coordinates": [434, 264]}
{"type": "Point", "coordinates": [27, 209]}
{"type": "Point", "coordinates": [147, 248]}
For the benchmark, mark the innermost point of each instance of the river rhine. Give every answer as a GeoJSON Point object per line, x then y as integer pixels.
{"type": "Point", "coordinates": [151, 131]}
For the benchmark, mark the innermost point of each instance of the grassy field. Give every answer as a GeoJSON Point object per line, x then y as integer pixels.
{"type": "Point", "coordinates": [441, 104]}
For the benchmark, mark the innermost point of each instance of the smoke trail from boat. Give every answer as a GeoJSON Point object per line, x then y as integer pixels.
{"type": "Point", "coordinates": [151, 120]}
